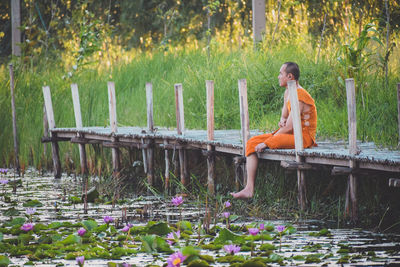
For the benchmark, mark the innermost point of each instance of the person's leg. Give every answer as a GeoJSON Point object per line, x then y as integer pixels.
{"type": "Point", "coordinates": [251, 167]}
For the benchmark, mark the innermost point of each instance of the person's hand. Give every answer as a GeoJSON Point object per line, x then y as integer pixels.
{"type": "Point", "coordinates": [260, 147]}
{"type": "Point", "coordinates": [282, 123]}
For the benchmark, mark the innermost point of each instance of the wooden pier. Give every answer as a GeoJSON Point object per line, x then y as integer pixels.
{"type": "Point", "coordinates": [350, 158]}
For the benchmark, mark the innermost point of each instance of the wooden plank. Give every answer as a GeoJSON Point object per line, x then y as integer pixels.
{"type": "Point", "coordinates": [77, 105]}
{"type": "Point", "coordinates": [210, 109]}
{"type": "Point", "coordinates": [49, 107]}
{"type": "Point", "coordinates": [15, 27]}
{"type": "Point", "coordinates": [258, 9]}
{"type": "Point", "coordinates": [180, 118]}
{"type": "Point", "coordinates": [149, 101]}
{"type": "Point", "coordinates": [294, 165]}
{"type": "Point", "coordinates": [112, 104]}
{"type": "Point", "coordinates": [14, 122]}
{"type": "Point", "coordinates": [398, 110]}
{"type": "Point", "coordinates": [45, 133]}
{"type": "Point", "coordinates": [78, 123]}
{"type": "Point", "coordinates": [244, 113]}
{"type": "Point", "coordinates": [211, 171]}
{"type": "Point", "coordinates": [295, 111]}
{"type": "Point", "coordinates": [166, 174]}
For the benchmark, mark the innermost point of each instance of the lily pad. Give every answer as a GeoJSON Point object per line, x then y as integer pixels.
{"type": "Point", "coordinates": [225, 235]}
{"type": "Point", "coordinates": [161, 229]}
{"type": "Point", "coordinates": [11, 212]}
{"type": "Point", "coordinates": [33, 203]}
{"type": "Point", "coordinates": [4, 261]}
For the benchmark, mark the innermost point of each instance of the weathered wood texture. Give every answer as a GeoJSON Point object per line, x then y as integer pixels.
{"type": "Point", "coordinates": [112, 106]}
{"type": "Point", "coordinates": [244, 123]}
{"type": "Point", "coordinates": [180, 128]}
{"type": "Point", "coordinates": [15, 27]}
{"type": "Point", "coordinates": [150, 128]}
{"type": "Point", "coordinates": [52, 125]}
{"type": "Point", "coordinates": [398, 109]}
{"type": "Point", "coordinates": [79, 125]}
{"type": "Point", "coordinates": [14, 122]}
{"type": "Point", "coordinates": [258, 20]}
{"type": "Point", "coordinates": [210, 137]}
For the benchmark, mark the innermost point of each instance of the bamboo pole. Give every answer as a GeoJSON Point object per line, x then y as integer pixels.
{"type": "Point", "coordinates": [14, 119]}
{"type": "Point", "coordinates": [210, 137]}
{"type": "Point", "coordinates": [298, 139]}
{"type": "Point", "coordinates": [180, 128]}
{"type": "Point", "coordinates": [351, 195]}
{"type": "Point", "coordinates": [113, 123]}
{"type": "Point", "coordinates": [78, 123]}
{"type": "Point", "coordinates": [244, 123]}
{"type": "Point", "coordinates": [150, 127]}
{"type": "Point", "coordinates": [52, 125]}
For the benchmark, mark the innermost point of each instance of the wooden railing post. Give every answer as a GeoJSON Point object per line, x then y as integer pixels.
{"type": "Point", "coordinates": [52, 125]}
{"type": "Point", "coordinates": [79, 125]}
{"type": "Point", "coordinates": [298, 139]}
{"type": "Point", "coordinates": [244, 125]}
{"type": "Point", "coordinates": [150, 127]}
{"type": "Point", "coordinates": [351, 193]}
{"type": "Point", "coordinates": [210, 137]}
{"type": "Point", "coordinates": [180, 128]}
{"type": "Point", "coordinates": [14, 120]}
{"type": "Point", "coordinates": [112, 104]}
{"type": "Point", "coordinates": [398, 110]}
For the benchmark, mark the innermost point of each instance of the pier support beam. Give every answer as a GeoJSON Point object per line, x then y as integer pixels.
{"type": "Point", "coordinates": [180, 128]}
{"type": "Point", "coordinates": [244, 123]}
{"type": "Point", "coordinates": [52, 125]}
{"type": "Point", "coordinates": [298, 140]}
{"type": "Point", "coordinates": [112, 104]}
{"type": "Point", "coordinates": [351, 192]}
{"type": "Point", "coordinates": [14, 120]}
{"type": "Point", "coordinates": [210, 137]}
{"type": "Point", "coordinates": [150, 128]}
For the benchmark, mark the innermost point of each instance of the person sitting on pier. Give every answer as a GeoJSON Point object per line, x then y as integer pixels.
{"type": "Point", "coordinates": [283, 138]}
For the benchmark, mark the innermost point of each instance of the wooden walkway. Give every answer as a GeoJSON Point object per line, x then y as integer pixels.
{"type": "Point", "coordinates": [350, 158]}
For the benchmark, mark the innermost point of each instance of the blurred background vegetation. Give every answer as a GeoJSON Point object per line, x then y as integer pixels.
{"type": "Point", "coordinates": [91, 42]}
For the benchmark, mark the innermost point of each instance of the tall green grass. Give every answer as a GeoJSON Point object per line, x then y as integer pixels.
{"type": "Point", "coordinates": [377, 114]}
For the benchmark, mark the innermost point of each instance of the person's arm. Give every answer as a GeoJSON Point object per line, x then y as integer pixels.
{"type": "Point", "coordinates": [288, 128]}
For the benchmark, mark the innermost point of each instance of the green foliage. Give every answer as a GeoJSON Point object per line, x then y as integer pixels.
{"type": "Point", "coordinates": [225, 236]}
{"type": "Point", "coordinates": [33, 203]}
{"type": "Point", "coordinates": [160, 228]}
{"type": "Point", "coordinates": [4, 261]}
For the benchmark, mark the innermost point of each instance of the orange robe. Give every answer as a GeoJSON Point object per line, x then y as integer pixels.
{"type": "Point", "coordinates": [286, 141]}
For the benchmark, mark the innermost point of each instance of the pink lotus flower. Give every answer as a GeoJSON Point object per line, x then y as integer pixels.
{"type": "Point", "coordinates": [172, 236]}
{"type": "Point", "coordinates": [280, 228]}
{"type": "Point", "coordinates": [176, 259]}
{"type": "Point", "coordinates": [231, 249]}
{"type": "Point", "coordinates": [4, 182]}
{"type": "Point", "coordinates": [80, 260]}
{"type": "Point", "coordinates": [226, 214]}
{"type": "Point", "coordinates": [27, 227]}
{"type": "Point", "coordinates": [254, 231]}
{"type": "Point", "coordinates": [127, 227]}
{"type": "Point", "coordinates": [82, 231]}
{"type": "Point", "coordinates": [177, 201]}
{"type": "Point", "coordinates": [108, 219]}
{"type": "Point", "coordinates": [262, 227]}
{"type": "Point", "coordinates": [227, 204]}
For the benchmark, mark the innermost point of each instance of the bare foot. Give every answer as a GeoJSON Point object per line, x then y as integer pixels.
{"type": "Point", "coordinates": [245, 193]}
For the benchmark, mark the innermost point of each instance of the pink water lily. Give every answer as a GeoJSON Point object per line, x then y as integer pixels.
{"type": "Point", "coordinates": [226, 214]}
{"type": "Point", "coordinates": [227, 204]}
{"type": "Point", "coordinates": [176, 259]}
{"type": "Point", "coordinates": [262, 226]}
{"type": "Point", "coordinates": [231, 249]}
{"type": "Point", "coordinates": [254, 231]}
{"type": "Point", "coordinates": [82, 231]}
{"type": "Point", "coordinates": [80, 260]}
{"type": "Point", "coordinates": [172, 236]}
{"type": "Point", "coordinates": [3, 170]}
{"type": "Point", "coordinates": [27, 227]}
{"type": "Point", "coordinates": [30, 211]}
{"type": "Point", "coordinates": [108, 219]}
{"type": "Point", "coordinates": [4, 181]}
{"type": "Point", "coordinates": [177, 201]}
{"type": "Point", "coordinates": [280, 228]}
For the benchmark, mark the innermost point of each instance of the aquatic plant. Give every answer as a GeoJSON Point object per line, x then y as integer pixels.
{"type": "Point", "coordinates": [176, 259]}
{"type": "Point", "coordinates": [82, 231]}
{"type": "Point", "coordinates": [177, 201]}
{"type": "Point", "coordinates": [4, 181]}
{"type": "Point", "coordinates": [231, 249]}
{"type": "Point", "coordinates": [227, 204]}
{"type": "Point", "coordinates": [280, 229]}
{"type": "Point", "coordinates": [172, 237]}
{"type": "Point", "coordinates": [3, 171]}
{"type": "Point", "coordinates": [226, 215]}
{"type": "Point", "coordinates": [80, 260]}
{"type": "Point", "coordinates": [253, 232]}
{"type": "Point", "coordinates": [262, 227]}
{"type": "Point", "coordinates": [30, 212]}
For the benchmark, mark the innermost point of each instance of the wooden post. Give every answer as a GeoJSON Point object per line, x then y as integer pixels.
{"type": "Point", "coordinates": [398, 109]}
{"type": "Point", "coordinates": [52, 125]}
{"type": "Point", "coordinates": [210, 137]}
{"type": "Point", "coordinates": [45, 134]}
{"type": "Point", "coordinates": [113, 123]}
{"type": "Point", "coordinates": [15, 25]}
{"type": "Point", "coordinates": [78, 123]}
{"type": "Point", "coordinates": [150, 127]}
{"type": "Point", "coordinates": [14, 118]}
{"type": "Point", "coordinates": [351, 194]}
{"type": "Point", "coordinates": [298, 139]}
{"type": "Point", "coordinates": [244, 122]}
{"type": "Point", "coordinates": [258, 20]}
{"type": "Point", "coordinates": [180, 128]}
{"type": "Point", "coordinates": [166, 167]}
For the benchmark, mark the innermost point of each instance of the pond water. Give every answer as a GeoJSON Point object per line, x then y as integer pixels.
{"type": "Point", "coordinates": [304, 243]}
